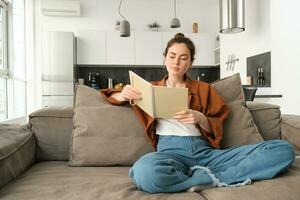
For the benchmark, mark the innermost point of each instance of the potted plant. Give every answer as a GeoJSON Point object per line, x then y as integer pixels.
{"type": "Point", "coordinates": [154, 26]}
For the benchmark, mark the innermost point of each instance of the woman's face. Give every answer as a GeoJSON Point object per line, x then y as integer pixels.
{"type": "Point", "coordinates": [178, 59]}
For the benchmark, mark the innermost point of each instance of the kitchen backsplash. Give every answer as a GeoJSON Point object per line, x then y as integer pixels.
{"type": "Point", "coordinates": [119, 74]}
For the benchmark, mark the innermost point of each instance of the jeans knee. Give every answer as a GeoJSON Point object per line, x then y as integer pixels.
{"type": "Point", "coordinates": [289, 151]}
{"type": "Point", "coordinates": [143, 173]}
{"type": "Point", "coordinates": [284, 150]}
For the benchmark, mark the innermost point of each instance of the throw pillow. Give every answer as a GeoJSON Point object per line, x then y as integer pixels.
{"type": "Point", "coordinates": [104, 134]}
{"type": "Point", "coordinates": [239, 127]}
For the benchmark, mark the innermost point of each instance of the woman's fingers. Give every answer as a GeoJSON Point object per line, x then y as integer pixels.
{"type": "Point", "coordinates": [188, 120]}
{"type": "Point", "coordinates": [183, 112]}
{"type": "Point", "coordinates": [131, 93]}
{"type": "Point", "coordinates": [132, 89]}
{"type": "Point", "coordinates": [187, 116]}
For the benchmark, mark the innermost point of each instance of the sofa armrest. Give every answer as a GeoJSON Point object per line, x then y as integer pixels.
{"type": "Point", "coordinates": [52, 128]}
{"type": "Point", "coordinates": [17, 151]}
{"type": "Point", "coordinates": [290, 130]}
{"type": "Point", "coordinates": [267, 118]}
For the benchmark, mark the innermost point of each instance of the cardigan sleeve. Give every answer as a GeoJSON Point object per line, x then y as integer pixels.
{"type": "Point", "coordinates": [216, 112]}
{"type": "Point", "coordinates": [107, 93]}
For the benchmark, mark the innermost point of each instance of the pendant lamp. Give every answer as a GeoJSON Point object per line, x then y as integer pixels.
{"type": "Point", "coordinates": [124, 24]}
{"type": "Point", "coordinates": [175, 23]}
{"type": "Point", "coordinates": [232, 16]}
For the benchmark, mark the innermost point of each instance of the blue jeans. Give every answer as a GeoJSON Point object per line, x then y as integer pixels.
{"type": "Point", "coordinates": [183, 162]}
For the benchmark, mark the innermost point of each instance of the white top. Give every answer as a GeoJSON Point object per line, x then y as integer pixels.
{"type": "Point", "coordinates": [174, 127]}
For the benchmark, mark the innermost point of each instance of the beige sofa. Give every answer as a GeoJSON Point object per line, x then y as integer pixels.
{"type": "Point", "coordinates": [34, 163]}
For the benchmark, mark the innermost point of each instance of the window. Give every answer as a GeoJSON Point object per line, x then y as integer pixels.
{"type": "Point", "coordinates": [12, 60]}
{"type": "Point", "coordinates": [3, 60]}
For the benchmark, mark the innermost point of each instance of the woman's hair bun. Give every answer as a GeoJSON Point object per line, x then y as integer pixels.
{"type": "Point", "coordinates": [179, 35]}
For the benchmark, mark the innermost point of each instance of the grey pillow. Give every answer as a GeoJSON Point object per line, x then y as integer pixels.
{"type": "Point", "coordinates": [239, 127]}
{"type": "Point", "coordinates": [104, 134]}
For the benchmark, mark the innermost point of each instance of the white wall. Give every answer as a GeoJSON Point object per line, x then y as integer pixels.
{"type": "Point", "coordinates": [271, 25]}
{"type": "Point", "coordinates": [285, 46]}
{"type": "Point", "coordinates": [254, 40]}
{"type": "Point", "coordinates": [102, 14]}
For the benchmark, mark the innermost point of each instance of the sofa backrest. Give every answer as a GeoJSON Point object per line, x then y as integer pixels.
{"type": "Point", "coordinates": [267, 118]}
{"type": "Point", "coordinates": [52, 128]}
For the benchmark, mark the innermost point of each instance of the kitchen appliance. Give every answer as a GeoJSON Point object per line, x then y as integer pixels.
{"type": "Point", "coordinates": [58, 64]}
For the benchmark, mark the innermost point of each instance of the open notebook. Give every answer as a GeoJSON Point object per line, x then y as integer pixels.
{"type": "Point", "coordinates": [159, 101]}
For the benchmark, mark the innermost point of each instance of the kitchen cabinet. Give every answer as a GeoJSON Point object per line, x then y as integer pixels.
{"type": "Point", "coordinates": [167, 36]}
{"type": "Point", "coordinates": [120, 50]}
{"type": "Point", "coordinates": [204, 44]}
{"type": "Point", "coordinates": [96, 47]}
{"type": "Point", "coordinates": [91, 47]}
{"type": "Point", "coordinates": [148, 48]}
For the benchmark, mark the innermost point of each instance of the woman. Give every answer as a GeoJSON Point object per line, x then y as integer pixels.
{"type": "Point", "coordinates": [187, 146]}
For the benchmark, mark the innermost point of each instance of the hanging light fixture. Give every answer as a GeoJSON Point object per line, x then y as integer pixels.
{"type": "Point", "coordinates": [175, 23]}
{"type": "Point", "coordinates": [232, 16]}
{"type": "Point", "coordinates": [124, 24]}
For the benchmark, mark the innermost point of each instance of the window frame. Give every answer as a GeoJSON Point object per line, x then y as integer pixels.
{"type": "Point", "coordinates": [5, 71]}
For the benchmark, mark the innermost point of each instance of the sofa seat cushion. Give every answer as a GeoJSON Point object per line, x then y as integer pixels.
{"type": "Point", "coordinates": [56, 180]}
{"type": "Point", "coordinates": [17, 151]}
{"type": "Point", "coordinates": [284, 186]}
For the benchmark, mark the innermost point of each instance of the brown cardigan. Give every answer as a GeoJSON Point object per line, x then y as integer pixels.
{"type": "Point", "coordinates": [202, 97]}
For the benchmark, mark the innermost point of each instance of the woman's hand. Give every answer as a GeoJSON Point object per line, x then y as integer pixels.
{"type": "Point", "coordinates": [128, 93]}
{"type": "Point", "coordinates": [193, 117]}
{"type": "Point", "coordinates": [189, 116]}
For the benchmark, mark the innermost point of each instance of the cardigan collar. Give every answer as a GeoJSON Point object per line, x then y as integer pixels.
{"type": "Point", "coordinates": [185, 76]}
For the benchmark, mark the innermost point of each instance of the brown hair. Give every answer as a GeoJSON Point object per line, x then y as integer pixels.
{"type": "Point", "coordinates": [180, 38]}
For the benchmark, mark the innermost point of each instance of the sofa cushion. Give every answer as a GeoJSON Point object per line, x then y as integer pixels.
{"type": "Point", "coordinates": [290, 130]}
{"type": "Point", "coordinates": [267, 118]}
{"type": "Point", "coordinates": [104, 134]}
{"type": "Point", "coordinates": [284, 186]}
{"type": "Point", "coordinates": [55, 180]}
{"type": "Point", "coordinates": [239, 127]}
{"type": "Point", "coordinates": [17, 151]}
{"type": "Point", "coordinates": [52, 128]}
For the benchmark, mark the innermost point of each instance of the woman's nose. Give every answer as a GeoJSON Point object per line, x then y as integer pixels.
{"type": "Point", "coordinates": [176, 61]}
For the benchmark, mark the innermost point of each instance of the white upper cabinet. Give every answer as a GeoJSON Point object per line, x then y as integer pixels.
{"type": "Point", "coordinates": [167, 36]}
{"type": "Point", "coordinates": [91, 47]}
{"type": "Point", "coordinates": [96, 47]}
{"type": "Point", "coordinates": [204, 44]}
{"type": "Point", "coordinates": [148, 48]}
{"type": "Point", "coordinates": [120, 50]}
